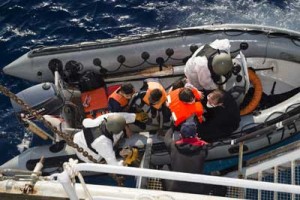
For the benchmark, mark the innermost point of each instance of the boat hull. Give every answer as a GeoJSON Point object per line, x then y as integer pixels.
{"type": "Point", "coordinates": [148, 50]}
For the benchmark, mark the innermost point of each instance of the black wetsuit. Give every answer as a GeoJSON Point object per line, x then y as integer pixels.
{"type": "Point", "coordinates": [185, 157]}
{"type": "Point", "coordinates": [220, 121]}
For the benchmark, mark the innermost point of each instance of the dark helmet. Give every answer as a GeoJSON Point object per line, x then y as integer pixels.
{"type": "Point", "coordinates": [222, 63]}
{"type": "Point", "coordinates": [115, 124]}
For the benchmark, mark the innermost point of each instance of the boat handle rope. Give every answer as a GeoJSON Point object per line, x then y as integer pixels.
{"type": "Point", "coordinates": [33, 112]}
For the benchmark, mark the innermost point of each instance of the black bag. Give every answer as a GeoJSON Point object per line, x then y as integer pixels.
{"type": "Point", "coordinates": [90, 80]}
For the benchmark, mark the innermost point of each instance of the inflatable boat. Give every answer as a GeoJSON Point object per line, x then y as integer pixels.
{"type": "Point", "coordinates": [271, 53]}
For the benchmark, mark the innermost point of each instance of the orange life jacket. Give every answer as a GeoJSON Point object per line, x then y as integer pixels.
{"type": "Point", "coordinates": [151, 86]}
{"type": "Point", "coordinates": [181, 111]}
{"type": "Point", "coordinates": [95, 102]}
{"type": "Point", "coordinates": [119, 98]}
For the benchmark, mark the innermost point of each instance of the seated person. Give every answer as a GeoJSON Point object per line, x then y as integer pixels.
{"type": "Point", "coordinates": [119, 99]}
{"type": "Point", "coordinates": [154, 95]}
{"type": "Point", "coordinates": [187, 155]}
{"type": "Point", "coordinates": [184, 103]}
{"type": "Point", "coordinates": [222, 116]}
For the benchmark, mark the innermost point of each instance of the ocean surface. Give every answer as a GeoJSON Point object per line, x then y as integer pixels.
{"type": "Point", "coordinates": [29, 23]}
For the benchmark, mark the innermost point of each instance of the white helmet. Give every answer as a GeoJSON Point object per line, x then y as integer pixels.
{"type": "Point", "coordinates": [115, 124]}
{"type": "Point", "coordinates": [222, 63]}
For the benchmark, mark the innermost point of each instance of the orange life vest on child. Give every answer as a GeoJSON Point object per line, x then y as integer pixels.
{"type": "Point", "coordinates": [151, 86]}
{"type": "Point", "coordinates": [119, 98]}
{"type": "Point", "coordinates": [181, 111]}
{"type": "Point", "coordinates": [95, 102]}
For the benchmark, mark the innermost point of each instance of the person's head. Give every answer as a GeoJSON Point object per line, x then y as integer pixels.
{"type": "Point", "coordinates": [155, 96]}
{"type": "Point", "coordinates": [188, 129]}
{"type": "Point", "coordinates": [127, 90]}
{"type": "Point", "coordinates": [114, 124]}
{"type": "Point", "coordinates": [178, 84]}
{"type": "Point", "coordinates": [215, 98]}
{"type": "Point", "coordinates": [186, 95]}
{"type": "Point", "coordinates": [222, 63]}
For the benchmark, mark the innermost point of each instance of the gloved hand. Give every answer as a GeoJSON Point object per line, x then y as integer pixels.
{"type": "Point", "coordinates": [141, 117]}
{"type": "Point", "coordinates": [130, 155]}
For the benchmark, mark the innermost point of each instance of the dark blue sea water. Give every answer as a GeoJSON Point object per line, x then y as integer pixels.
{"type": "Point", "coordinates": [28, 23]}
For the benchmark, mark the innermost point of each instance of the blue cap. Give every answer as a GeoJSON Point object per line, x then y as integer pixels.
{"type": "Point", "coordinates": [188, 129]}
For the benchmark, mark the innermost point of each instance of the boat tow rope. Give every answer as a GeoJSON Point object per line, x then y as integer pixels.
{"type": "Point", "coordinates": [68, 138]}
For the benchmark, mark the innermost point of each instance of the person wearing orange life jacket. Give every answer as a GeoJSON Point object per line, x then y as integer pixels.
{"type": "Point", "coordinates": [119, 99]}
{"type": "Point", "coordinates": [154, 95]}
{"type": "Point", "coordinates": [184, 103]}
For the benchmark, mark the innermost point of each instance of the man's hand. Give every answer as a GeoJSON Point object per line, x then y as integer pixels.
{"type": "Point", "coordinates": [141, 117]}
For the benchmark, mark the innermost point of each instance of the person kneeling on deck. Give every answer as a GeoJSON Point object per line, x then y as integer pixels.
{"type": "Point", "coordinates": [222, 116]}
{"type": "Point", "coordinates": [187, 155]}
{"type": "Point", "coordinates": [154, 95]}
{"type": "Point", "coordinates": [208, 64]}
{"type": "Point", "coordinates": [100, 135]}
{"type": "Point", "coordinates": [119, 99]}
{"type": "Point", "coordinates": [184, 103]}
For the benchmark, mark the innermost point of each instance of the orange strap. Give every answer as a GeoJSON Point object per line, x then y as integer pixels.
{"type": "Point", "coordinates": [258, 90]}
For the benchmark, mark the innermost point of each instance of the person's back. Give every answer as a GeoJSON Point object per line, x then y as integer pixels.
{"type": "Point", "coordinates": [187, 155]}
{"type": "Point", "coordinates": [222, 116]}
{"type": "Point", "coordinates": [184, 103]}
{"type": "Point", "coordinates": [206, 66]}
{"type": "Point", "coordinates": [100, 135]}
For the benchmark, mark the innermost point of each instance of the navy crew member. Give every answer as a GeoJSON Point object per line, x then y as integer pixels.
{"type": "Point", "coordinates": [100, 135]}
{"type": "Point", "coordinates": [208, 64]}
